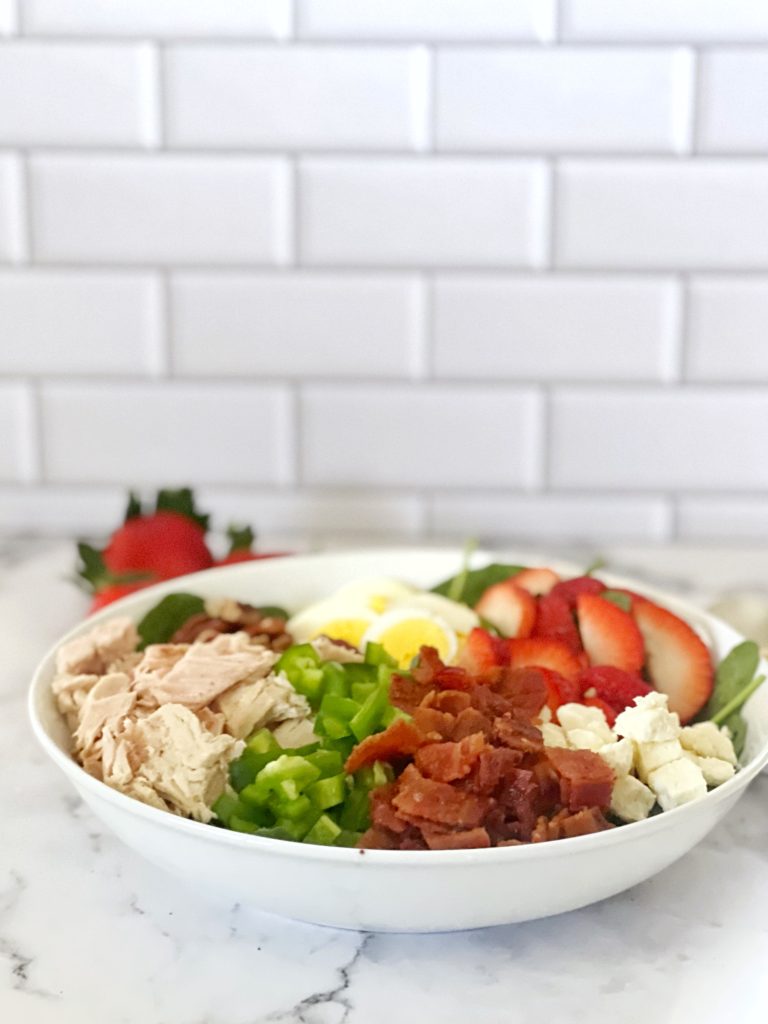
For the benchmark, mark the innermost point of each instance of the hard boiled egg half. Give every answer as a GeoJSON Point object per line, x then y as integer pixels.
{"type": "Point", "coordinates": [389, 612]}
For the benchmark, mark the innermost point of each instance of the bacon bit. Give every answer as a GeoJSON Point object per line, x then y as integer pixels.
{"type": "Point", "coordinates": [585, 778]}
{"type": "Point", "coordinates": [585, 822]}
{"type": "Point", "coordinates": [524, 688]}
{"type": "Point", "coordinates": [406, 693]}
{"type": "Point", "coordinates": [421, 799]}
{"type": "Point", "coordinates": [452, 701]}
{"type": "Point", "coordinates": [494, 766]}
{"type": "Point", "coordinates": [470, 721]}
{"type": "Point", "coordinates": [446, 762]}
{"type": "Point", "coordinates": [469, 839]}
{"type": "Point", "coordinates": [382, 813]}
{"type": "Point", "coordinates": [378, 839]}
{"type": "Point", "coordinates": [518, 735]}
{"type": "Point", "coordinates": [400, 739]}
{"type": "Point", "coordinates": [435, 725]}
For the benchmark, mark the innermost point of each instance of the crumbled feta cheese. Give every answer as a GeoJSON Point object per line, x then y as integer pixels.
{"type": "Point", "coordinates": [650, 756]}
{"type": "Point", "coordinates": [545, 715]}
{"type": "Point", "coordinates": [649, 721]}
{"type": "Point", "coordinates": [707, 740]}
{"type": "Point", "coordinates": [631, 800]}
{"type": "Point", "coordinates": [715, 770]}
{"type": "Point", "coordinates": [585, 739]}
{"type": "Point", "coordinates": [619, 755]}
{"type": "Point", "coordinates": [553, 735]}
{"type": "Point", "coordinates": [676, 783]}
{"type": "Point", "coordinates": [579, 716]}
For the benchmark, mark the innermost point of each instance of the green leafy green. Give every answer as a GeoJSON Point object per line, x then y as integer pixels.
{"type": "Point", "coordinates": [623, 601]}
{"type": "Point", "coordinates": [594, 566]}
{"type": "Point", "coordinates": [170, 614]}
{"type": "Point", "coordinates": [273, 611]}
{"type": "Point", "coordinates": [474, 582]}
{"type": "Point", "coordinates": [133, 509]}
{"type": "Point", "coordinates": [735, 681]}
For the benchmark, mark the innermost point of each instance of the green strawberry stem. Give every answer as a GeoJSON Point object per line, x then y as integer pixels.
{"type": "Point", "coordinates": [240, 538]}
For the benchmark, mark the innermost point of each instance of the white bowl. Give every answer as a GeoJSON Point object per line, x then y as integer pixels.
{"type": "Point", "coordinates": [378, 890]}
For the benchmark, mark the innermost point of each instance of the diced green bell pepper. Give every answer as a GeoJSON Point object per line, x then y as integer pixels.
{"type": "Point", "coordinates": [330, 762]}
{"type": "Point", "coordinates": [329, 792]}
{"type": "Point", "coordinates": [368, 718]}
{"type": "Point", "coordinates": [324, 832]}
{"type": "Point", "coordinates": [304, 670]}
{"type": "Point", "coordinates": [286, 776]}
{"type": "Point", "coordinates": [376, 655]}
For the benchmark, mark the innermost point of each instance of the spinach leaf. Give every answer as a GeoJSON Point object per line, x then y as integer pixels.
{"type": "Point", "coordinates": [475, 582]}
{"type": "Point", "coordinates": [623, 601]}
{"type": "Point", "coordinates": [735, 681]}
{"type": "Point", "coordinates": [162, 621]}
{"type": "Point", "coordinates": [734, 673]}
{"type": "Point", "coordinates": [273, 611]}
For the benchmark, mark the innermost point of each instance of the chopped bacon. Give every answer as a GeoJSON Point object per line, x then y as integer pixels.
{"type": "Point", "coordinates": [468, 839]}
{"type": "Point", "coordinates": [469, 721]}
{"type": "Point", "coordinates": [421, 798]}
{"type": "Point", "coordinates": [585, 778]}
{"type": "Point", "coordinates": [452, 701]}
{"type": "Point", "coordinates": [446, 762]}
{"type": "Point", "coordinates": [517, 734]}
{"type": "Point", "coordinates": [525, 688]}
{"type": "Point", "coordinates": [434, 724]}
{"type": "Point", "coordinates": [400, 739]}
{"type": "Point", "coordinates": [406, 693]}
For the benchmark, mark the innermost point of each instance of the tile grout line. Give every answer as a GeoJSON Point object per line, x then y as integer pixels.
{"type": "Point", "coordinates": [32, 455]}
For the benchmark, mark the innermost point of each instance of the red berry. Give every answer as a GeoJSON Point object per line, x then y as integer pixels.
{"type": "Point", "coordinates": [166, 544]}
{"type": "Point", "coordinates": [555, 619]}
{"type": "Point", "coordinates": [113, 592]}
{"type": "Point", "coordinates": [609, 634]}
{"type": "Point", "coordinates": [570, 590]}
{"type": "Point", "coordinates": [248, 556]}
{"type": "Point", "coordinates": [612, 685]}
{"type": "Point", "coordinates": [544, 652]}
{"type": "Point", "coordinates": [509, 608]}
{"type": "Point", "coordinates": [536, 581]}
{"type": "Point", "coordinates": [482, 652]}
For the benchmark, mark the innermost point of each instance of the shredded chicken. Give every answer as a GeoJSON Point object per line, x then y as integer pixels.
{"type": "Point", "coordinates": [96, 651]}
{"type": "Point", "coordinates": [329, 650]}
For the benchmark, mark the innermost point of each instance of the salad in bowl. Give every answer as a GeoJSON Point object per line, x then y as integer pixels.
{"type": "Point", "coordinates": [367, 709]}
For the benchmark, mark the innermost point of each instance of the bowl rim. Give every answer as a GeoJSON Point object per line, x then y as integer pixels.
{"type": "Point", "coordinates": [84, 782]}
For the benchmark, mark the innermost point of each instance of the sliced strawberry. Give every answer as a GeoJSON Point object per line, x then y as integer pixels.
{"type": "Point", "coordinates": [677, 660]}
{"type": "Point", "coordinates": [509, 608]}
{"type": "Point", "coordinates": [537, 581]}
{"type": "Point", "coordinates": [482, 652]}
{"type": "Point", "coordinates": [570, 590]}
{"type": "Point", "coordinates": [609, 711]}
{"type": "Point", "coordinates": [609, 635]}
{"type": "Point", "coordinates": [612, 685]}
{"type": "Point", "coordinates": [555, 619]}
{"type": "Point", "coordinates": [559, 689]}
{"type": "Point", "coordinates": [544, 652]}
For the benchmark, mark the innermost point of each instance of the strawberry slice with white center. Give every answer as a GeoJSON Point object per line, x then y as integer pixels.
{"type": "Point", "coordinates": [677, 659]}
{"type": "Point", "coordinates": [609, 634]}
{"type": "Point", "coordinates": [537, 581]}
{"type": "Point", "coordinates": [544, 652]}
{"type": "Point", "coordinates": [482, 652]}
{"type": "Point", "coordinates": [509, 608]}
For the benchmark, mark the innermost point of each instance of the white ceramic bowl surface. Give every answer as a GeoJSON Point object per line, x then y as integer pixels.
{"type": "Point", "coordinates": [378, 890]}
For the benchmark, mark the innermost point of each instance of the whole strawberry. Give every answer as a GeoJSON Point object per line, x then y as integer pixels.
{"type": "Point", "coordinates": [164, 544]}
{"type": "Point", "coordinates": [241, 540]}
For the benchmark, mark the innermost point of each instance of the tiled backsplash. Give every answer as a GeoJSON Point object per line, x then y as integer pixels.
{"type": "Point", "coordinates": [400, 267]}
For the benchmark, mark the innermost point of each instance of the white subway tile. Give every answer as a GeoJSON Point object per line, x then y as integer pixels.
{"type": "Point", "coordinates": [694, 20]}
{"type": "Point", "coordinates": [13, 242]}
{"type": "Point", "coordinates": [46, 511]}
{"type": "Point", "coordinates": [437, 211]}
{"type": "Point", "coordinates": [708, 438]}
{"type": "Point", "coordinates": [263, 18]}
{"type": "Point", "coordinates": [418, 436]}
{"type": "Point", "coordinates": [64, 322]}
{"type": "Point", "coordinates": [72, 94]}
{"type": "Point", "coordinates": [13, 428]}
{"type": "Point", "coordinates": [726, 519]}
{"type": "Point", "coordinates": [563, 99]}
{"type": "Point", "coordinates": [165, 434]}
{"type": "Point", "coordinates": [550, 327]}
{"type": "Point", "coordinates": [303, 96]}
{"type": "Point", "coordinates": [552, 518]}
{"type": "Point", "coordinates": [732, 97]}
{"type": "Point", "coordinates": [298, 324]}
{"type": "Point", "coordinates": [727, 329]}
{"type": "Point", "coordinates": [659, 213]}
{"type": "Point", "coordinates": [8, 18]}
{"type": "Point", "coordinates": [427, 19]}
{"type": "Point", "coordinates": [308, 514]}
{"type": "Point", "coordinates": [184, 209]}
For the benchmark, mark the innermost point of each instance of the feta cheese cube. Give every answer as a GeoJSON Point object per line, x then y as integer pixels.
{"type": "Point", "coordinates": [553, 735]}
{"type": "Point", "coordinates": [619, 755]}
{"type": "Point", "coordinates": [676, 783]}
{"type": "Point", "coordinates": [585, 739]}
{"type": "Point", "coordinates": [631, 800]}
{"type": "Point", "coordinates": [650, 756]}
{"type": "Point", "coordinates": [708, 740]}
{"type": "Point", "coordinates": [715, 770]}
{"type": "Point", "coordinates": [579, 716]}
{"type": "Point", "coordinates": [649, 721]}
{"type": "Point", "coordinates": [545, 714]}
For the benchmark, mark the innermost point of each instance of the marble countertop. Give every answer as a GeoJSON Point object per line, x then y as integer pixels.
{"type": "Point", "coordinates": [89, 932]}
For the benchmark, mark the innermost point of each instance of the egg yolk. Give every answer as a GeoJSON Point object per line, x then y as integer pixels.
{"type": "Point", "coordinates": [349, 630]}
{"type": "Point", "coordinates": [403, 640]}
